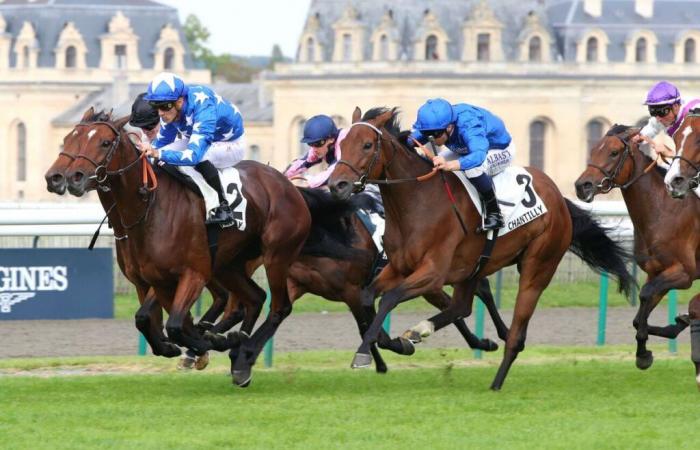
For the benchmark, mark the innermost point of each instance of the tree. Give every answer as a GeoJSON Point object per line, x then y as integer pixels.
{"type": "Point", "coordinates": [277, 56]}
{"type": "Point", "coordinates": [197, 36]}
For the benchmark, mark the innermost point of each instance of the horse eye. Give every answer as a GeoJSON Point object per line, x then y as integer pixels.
{"type": "Point", "coordinates": [614, 153]}
{"type": "Point", "coordinates": [106, 143]}
{"type": "Point", "coordinates": [367, 146]}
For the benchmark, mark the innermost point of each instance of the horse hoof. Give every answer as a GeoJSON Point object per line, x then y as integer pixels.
{"type": "Point", "coordinates": [382, 368]}
{"type": "Point", "coordinates": [361, 360]}
{"type": "Point", "coordinates": [185, 363]}
{"type": "Point", "coordinates": [218, 341]}
{"type": "Point", "coordinates": [412, 336]}
{"type": "Point", "coordinates": [201, 362]}
{"type": "Point", "coordinates": [242, 378]}
{"type": "Point", "coordinates": [645, 361]}
{"type": "Point", "coordinates": [407, 346]}
{"type": "Point", "coordinates": [170, 351]}
{"type": "Point", "coordinates": [683, 319]}
{"type": "Point", "coordinates": [488, 345]}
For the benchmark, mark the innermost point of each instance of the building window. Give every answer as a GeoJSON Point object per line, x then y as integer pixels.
{"type": "Point", "coordinates": [594, 133]}
{"type": "Point", "coordinates": [254, 153]}
{"type": "Point", "coordinates": [71, 57]}
{"type": "Point", "coordinates": [21, 152]}
{"type": "Point", "coordinates": [537, 130]}
{"type": "Point", "coordinates": [300, 135]}
{"type": "Point", "coordinates": [592, 50]}
{"type": "Point", "coordinates": [169, 58]}
{"type": "Point", "coordinates": [120, 56]}
{"type": "Point", "coordinates": [640, 51]}
{"type": "Point", "coordinates": [384, 48]}
{"type": "Point", "coordinates": [689, 51]}
{"type": "Point", "coordinates": [347, 47]}
{"type": "Point", "coordinates": [483, 47]}
{"type": "Point", "coordinates": [310, 50]}
{"type": "Point", "coordinates": [431, 48]}
{"type": "Point", "coordinates": [535, 49]}
{"type": "Point", "coordinates": [25, 57]}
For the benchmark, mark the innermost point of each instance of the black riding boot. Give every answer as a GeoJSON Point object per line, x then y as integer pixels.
{"type": "Point", "coordinates": [493, 219]}
{"type": "Point", "coordinates": [222, 215]}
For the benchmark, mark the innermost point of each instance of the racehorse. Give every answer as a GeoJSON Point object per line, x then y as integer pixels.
{"type": "Point", "coordinates": [428, 247]}
{"type": "Point", "coordinates": [169, 238]}
{"type": "Point", "coordinates": [666, 232]}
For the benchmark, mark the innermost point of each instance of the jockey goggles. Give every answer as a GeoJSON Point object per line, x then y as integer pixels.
{"type": "Point", "coordinates": [163, 106]}
{"type": "Point", "coordinates": [433, 133]}
{"type": "Point", "coordinates": [659, 110]}
{"type": "Point", "coordinates": [318, 144]}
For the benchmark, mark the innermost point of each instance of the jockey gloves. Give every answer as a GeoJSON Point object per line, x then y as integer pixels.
{"type": "Point", "coordinates": [435, 114]}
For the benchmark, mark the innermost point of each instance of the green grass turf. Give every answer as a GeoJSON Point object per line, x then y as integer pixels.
{"type": "Point", "coordinates": [554, 398]}
{"type": "Point", "coordinates": [580, 294]}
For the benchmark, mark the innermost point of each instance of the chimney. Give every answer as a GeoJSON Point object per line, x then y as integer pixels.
{"type": "Point", "coordinates": [593, 8]}
{"type": "Point", "coordinates": [644, 8]}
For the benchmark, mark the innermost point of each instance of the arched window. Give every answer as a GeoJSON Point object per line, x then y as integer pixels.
{"type": "Point", "coordinates": [254, 153]}
{"type": "Point", "coordinates": [592, 50]}
{"type": "Point", "coordinates": [537, 131]}
{"type": "Point", "coordinates": [640, 52]}
{"type": "Point", "coordinates": [535, 49]}
{"type": "Point", "coordinates": [689, 51]}
{"type": "Point", "coordinates": [300, 135]}
{"type": "Point", "coordinates": [71, 57]}
{"type": "Point", "coordinates": [347, 47]}
{"type": "Point", "coordinates": [594, 133]}
{"type": "Point", "coordinates": [120, 56]}
{"type": "Point", "coordinates": [169, 58]}
{"type": "Point", "coordinates": [431, 47]}
{"type": "Point", "coordinates": [25, 57]}
{"type": "Point", "coordinates": [384, 48]}
{"type": "Point", "coordinates": [21, 152]}
{"type": "Point", "coordinates": [483, 47]}
{"type": "Point", "coordinates": [310, 50]}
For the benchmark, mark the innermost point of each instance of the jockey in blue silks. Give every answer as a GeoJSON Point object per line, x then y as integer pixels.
{"type": "Point", "coordinates": [478, 144]}
{"type": "Point", "coordinates": [197, 128]}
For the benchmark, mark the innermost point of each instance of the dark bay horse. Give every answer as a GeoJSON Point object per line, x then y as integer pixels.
{"type": "Point", "coordinates": [666, 232]}
{"type": "Point", "coordinates": [169, 239]}
{"type": "Point", "coordinates": [427, 247]}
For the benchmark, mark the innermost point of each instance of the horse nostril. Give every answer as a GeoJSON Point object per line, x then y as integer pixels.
{"type": "Point", "coordinates": [57, 178]}
{"type": "Point", "coordinates": [677, 181]}
{"type": "Point", "coordinates": [342, 185]}
{"type": "Point", "coordinates": [78, 177]}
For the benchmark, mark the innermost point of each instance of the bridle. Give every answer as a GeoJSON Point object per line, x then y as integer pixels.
{"type": "Point", "coordinates": [608, 183]}
{"type": "Point", "coordinates": [694, 181]}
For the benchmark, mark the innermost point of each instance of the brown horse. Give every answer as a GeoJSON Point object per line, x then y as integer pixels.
{"type": "Point", "coordinates": [428, 248]}
{"type": "Point", "coordinates": [169, 239]}
{"type": "Point", "coordinates": [666, 232]}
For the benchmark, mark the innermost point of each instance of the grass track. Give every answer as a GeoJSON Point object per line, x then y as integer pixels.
{"type": "Point", "coordinates": [554, 398]}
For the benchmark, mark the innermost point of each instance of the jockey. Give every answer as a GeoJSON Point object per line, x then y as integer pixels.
{"type": "Point", "coordinates": [210, 131]}
{"type": "Point", "coordinates": [478, 144]}
{"type": "Point", "coordinates": [323, 138]}
{"type": "Point", "coordinates": [667, 110]}
{"type": "Point", "coordinates": [145, 117]}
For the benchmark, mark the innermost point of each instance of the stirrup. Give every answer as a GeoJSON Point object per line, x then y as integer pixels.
{"type": "Point", "coordinates": [221, 217]}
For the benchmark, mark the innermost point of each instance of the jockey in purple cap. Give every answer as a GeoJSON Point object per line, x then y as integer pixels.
{"type": "Point", "coordinates": [667, 110]}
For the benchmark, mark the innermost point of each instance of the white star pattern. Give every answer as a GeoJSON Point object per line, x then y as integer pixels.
{"type": "Point", "coordinates": [199, 97]}
{"type": "Point", "coordinates": [186, 154]}
{"type": "Point", "coordinates": [196, 138]}
{"type": "Point", "coordinates": [188, 120]}
{"type": "Point", "coordinates": [195, 127]}
{"type": "Point", "coordinates": [159, 135]}
{"type": "Point", "coordinates": [164, 77]}
{"type": "Point", "coordinates": [228, 134]}
{"type": "Point", "coordinates": [219, 99]}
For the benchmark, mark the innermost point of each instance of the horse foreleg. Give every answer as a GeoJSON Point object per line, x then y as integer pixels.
{"type": "Point", "coordinates": [363, 320]}
{"type": "Point", "coordinates": [149, 321]}
{"type": "Point", "coordinates": [220, 298]}
{"type": "Point", "coordinates": [650, 295]}
{"type": "Point", "coordinates": [188, 290]}
{"type": "Point", "coordinates": [483, 291]}
{"type": "Point", "coordinates": [694, 313]}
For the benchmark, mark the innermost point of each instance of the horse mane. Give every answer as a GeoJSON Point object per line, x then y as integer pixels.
{"type": "Point", "coordinates": [392, 125]}
{"type": "Point", "coordinates": [98, 116]}
{"type": "Point", "coordinates": [618, 129]}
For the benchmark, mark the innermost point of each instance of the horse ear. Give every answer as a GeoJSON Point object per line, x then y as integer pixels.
{"type": "Point", "coordinates": [119, 123]}
{"type": "Point", "coordinates": [383, 118]}
{"type": "Point", "coordinates": [88, 114]}
{"type": "Point", "coordinates": [356, 115]}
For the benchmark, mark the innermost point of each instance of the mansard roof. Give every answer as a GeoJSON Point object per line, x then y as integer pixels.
{"type": "Point", "coordinates": [91, 18]}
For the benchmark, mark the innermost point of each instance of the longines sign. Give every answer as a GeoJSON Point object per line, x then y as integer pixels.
{"type": "Point", "coordinates": [61, 283]}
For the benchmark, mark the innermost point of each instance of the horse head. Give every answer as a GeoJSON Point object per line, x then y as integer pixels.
{"type": "Point", "coordinates": [611, 164]}
{"type": "Point", "coordinates": [361, 152]}
{"type": "Point", "coordinates": [684, 173]}
{"type": "Point", "coordinates": [92, 147]}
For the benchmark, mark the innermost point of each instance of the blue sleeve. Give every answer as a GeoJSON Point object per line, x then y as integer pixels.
{"type": "Point", "coordinates": [473, 134]}
{"type": "Point", "coordinates": [166, 135]}
{"type": "Point", "coordinates": [201, 139]}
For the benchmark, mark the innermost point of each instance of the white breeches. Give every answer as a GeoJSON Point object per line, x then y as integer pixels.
{"type": "Point", "coordinates": [496, 161]}
{"type": "Point", "coordinates": [221, 154]}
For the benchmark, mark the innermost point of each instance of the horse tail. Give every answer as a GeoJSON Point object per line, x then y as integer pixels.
{"type": "Point", "coordinates": [592, 244]}
{"type": "Point", "coordinates": [332, 234]}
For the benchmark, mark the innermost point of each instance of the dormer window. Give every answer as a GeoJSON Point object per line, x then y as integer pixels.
{"type": "Point", "coordinates": [385, 39]}
{"type": "Point", "coordinates": [71, 57]}
{"type": "Point", "coordinates": [310, 50]}
{"type": "Point", "coordinates": [119, 46]}
{"type": "Point", "coordinates": [25, 57]}
{"type": "Point", "coordinates": [534, 49]}
{"type": "Point", "coordinates": [431, 44]}
{"type": "Point", "coordinates": [347, 47]}
{"type": "Point", "coordinates": [169, 59]}
{"type": "Point", "coordinates": [640, 51]}
{"type": "Point", "coordinates": [70, 49]}
{"type": "Point", "coordinates": [592, 50]}
{"type": "Point", "coordinates": [689, 55]}
{"type": "Point", "coordinates": [384, 48]}
{"type": "Point", "coordinates": [120, 56]}
{"type": "Point", "coordinates": [483, 47]}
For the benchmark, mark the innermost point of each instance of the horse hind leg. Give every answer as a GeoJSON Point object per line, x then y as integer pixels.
{"type": "Point", "coordinates": [149, 321]}
{"type": "Point", "coordinates": [483, 291]}
{"type": "Point", "coordinates": [694, 313]}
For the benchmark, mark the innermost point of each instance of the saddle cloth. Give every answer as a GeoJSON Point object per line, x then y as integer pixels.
{"type": "Point", "coordinates": [375, 226]}
{"type": "Point", "coordinates": [516, 195]}
{"type": "Point", "coordinates": [231, 181]}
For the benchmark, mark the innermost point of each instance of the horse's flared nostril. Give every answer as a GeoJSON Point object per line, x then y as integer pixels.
{"type": "Point", "coordinates": [677, 182]}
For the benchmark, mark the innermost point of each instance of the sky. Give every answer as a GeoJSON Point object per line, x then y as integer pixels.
{"type": "Point", "coordinates": [245, 27]}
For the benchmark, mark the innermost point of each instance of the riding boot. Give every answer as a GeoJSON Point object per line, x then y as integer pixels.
{"type": "Point", "coordinates": [221, 215]}
{"type": "Point", "coordinates": [493, 219]}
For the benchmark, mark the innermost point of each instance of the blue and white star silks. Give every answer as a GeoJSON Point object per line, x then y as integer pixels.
{"type": "Point", "coordinates": [164, 77]}
{"type": "Point", "coordinates": [206, 118]}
